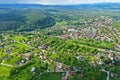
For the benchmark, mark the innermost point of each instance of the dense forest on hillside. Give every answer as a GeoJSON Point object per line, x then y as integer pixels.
{"type": "Point", "coordinates": [24, 20]}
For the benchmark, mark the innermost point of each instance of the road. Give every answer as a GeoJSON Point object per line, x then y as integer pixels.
{"type": "Point", "coordinates": [107, 78]}
{"type": "Point", "coordinates": [9, 65]}
{"type": "Point", "coordinates": [100, 49]}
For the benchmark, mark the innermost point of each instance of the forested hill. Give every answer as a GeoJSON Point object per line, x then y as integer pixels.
{"type": "Point", "coordinates": [24, 20]}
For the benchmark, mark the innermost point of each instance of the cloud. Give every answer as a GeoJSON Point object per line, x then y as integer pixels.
{"type": "Point", "coordinates": [56, 1]}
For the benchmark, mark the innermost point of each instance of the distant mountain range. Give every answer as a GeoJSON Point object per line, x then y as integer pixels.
{"type": "Point", "coordinates": [114, 6]}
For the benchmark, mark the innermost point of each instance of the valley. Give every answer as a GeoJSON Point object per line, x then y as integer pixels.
{"type": "Point", "coordinates": [47, 44]}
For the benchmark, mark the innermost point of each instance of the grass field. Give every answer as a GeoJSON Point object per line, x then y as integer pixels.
{"type": "Point", "coordinates": [51, 76]}
{"type": "Point", "coordinates": [103, 76]}
{"type": "Point", "coordinates": [4, 72]}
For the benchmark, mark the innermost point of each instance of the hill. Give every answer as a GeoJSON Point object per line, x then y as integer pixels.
{"type": "Point", "coordinates": [24, 20]}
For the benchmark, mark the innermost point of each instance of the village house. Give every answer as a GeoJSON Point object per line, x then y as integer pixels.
{"type": "Point", "coordinates": [119, 57]}
{"type": "Point", "coordinates": [33, 69]}
{"type": "Point", "coordinates": [59, 67]}
{"type": "Point", "coordinates": [25, 56]}
{"type": "Point", "coordinates": [111, 56]}
{"type": "Point", "coordinates": [43, 46]}
{"type": "Point", "coordinates": [72, 30]}
{"type": "Point", "coordinates": [81, 58]}
{"type": "Point", "coordinates": [74, 68]}
{"type": "Point", "coordinates": [66, 67]}
{"type": "Point", "coordinates": [65, 37]}
{"type": "Point", "coordinates": [64, 78]}
{"type": "Point", "coordinates": [94, 63]}
{"type": "Point", "coordinates": [117, 46]}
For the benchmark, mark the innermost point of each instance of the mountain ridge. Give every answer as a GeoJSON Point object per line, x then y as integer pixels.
{"type": "Point", "coordinates": [86, 6]}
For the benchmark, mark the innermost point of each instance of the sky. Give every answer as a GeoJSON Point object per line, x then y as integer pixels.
{"type": "Point", "coordinates": [54, 2]}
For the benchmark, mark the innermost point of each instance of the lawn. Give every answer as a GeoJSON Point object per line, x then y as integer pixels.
{"type": "Point", "coordinates": [12, 60]}
{"type": "Point", "coordinates": [116, 25]}
{"type": "Point", "coordinates": [19, 38]}
{"type": "Point", "coordinates": [4, 72]}
{"type": "Point", "coordinates": [51, 76]}
{"type": "Point", "coordinates": [103, 76]}
{"type": "Point", "coordinates": [58, 76]}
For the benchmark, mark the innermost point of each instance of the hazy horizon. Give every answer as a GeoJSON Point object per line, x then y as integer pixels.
{"type": "Point", "coordinates": [57, 2]}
